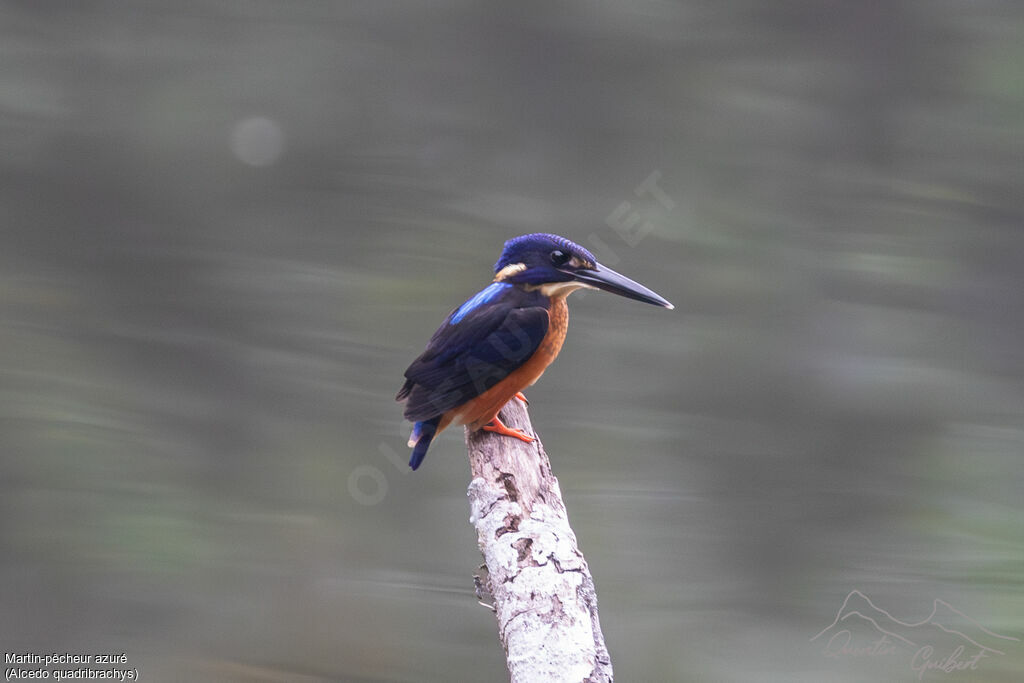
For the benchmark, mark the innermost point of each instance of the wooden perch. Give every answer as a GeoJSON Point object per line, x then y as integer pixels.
{"type": "Point", "coordinates": [543, 593]}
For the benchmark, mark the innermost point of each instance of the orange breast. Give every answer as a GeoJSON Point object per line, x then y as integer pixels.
{"type": "Point", "coordinates": [482, 409]}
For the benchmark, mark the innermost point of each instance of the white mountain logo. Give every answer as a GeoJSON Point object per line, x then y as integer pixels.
{"type": "Point", "coordinates": [946, 641]}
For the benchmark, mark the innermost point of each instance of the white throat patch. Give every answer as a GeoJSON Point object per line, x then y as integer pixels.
{"type": "Point", "coordinates": [552, 289]}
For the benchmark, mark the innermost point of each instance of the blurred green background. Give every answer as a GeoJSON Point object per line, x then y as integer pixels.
{"type": "Point", "coordinates": [227, 227]}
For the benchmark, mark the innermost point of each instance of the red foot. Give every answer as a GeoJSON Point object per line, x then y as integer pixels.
{"type": "Point", "coordinates": [499, 427]}
{"type": "Point", "coordinates": [522, 397]}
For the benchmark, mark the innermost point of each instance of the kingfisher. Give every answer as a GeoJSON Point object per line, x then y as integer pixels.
{"type": "Point", "coordinates": [502, 338]}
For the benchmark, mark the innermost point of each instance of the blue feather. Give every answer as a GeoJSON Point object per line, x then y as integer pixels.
{"type": "Point", "coordinates": [464, 360]}
{"type": "Point", "coordinates": [523, 247]}
{"type": "Point", "coordinates": [486, 295]}
{"type": "Point", "coordinates": [423, 433]}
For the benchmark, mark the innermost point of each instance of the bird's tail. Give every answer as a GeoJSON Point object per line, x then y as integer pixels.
{"type": "Point", "coordinates": [422, 434]}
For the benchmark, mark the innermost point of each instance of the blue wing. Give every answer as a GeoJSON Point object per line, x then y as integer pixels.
{"type": "Point", "coordinates": [477, 346]}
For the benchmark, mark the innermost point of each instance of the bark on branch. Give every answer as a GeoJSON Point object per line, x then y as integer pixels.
{"type": "Point", "coordinates": [543, 593]}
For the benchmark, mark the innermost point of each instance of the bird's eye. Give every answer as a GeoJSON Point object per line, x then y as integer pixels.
{"type": "Point", "coordinates": [559, 258]}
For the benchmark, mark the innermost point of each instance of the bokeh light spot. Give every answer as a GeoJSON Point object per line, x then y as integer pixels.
{"type": "Point", "coordinates": [257, 141]}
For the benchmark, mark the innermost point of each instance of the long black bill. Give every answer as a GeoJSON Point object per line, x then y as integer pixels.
{"type": "Point", "coordinates": [607, 279]}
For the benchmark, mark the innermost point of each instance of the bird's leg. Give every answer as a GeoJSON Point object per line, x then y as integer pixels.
{"type": "Point", "coordinates": [499, 427]}
{"type": "Point", "coordinates": [522, 397]}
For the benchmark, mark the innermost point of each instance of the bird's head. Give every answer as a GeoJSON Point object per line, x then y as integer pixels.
{"type": "Point", "coordinates": [558, 266]}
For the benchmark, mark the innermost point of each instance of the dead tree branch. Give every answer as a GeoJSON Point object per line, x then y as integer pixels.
{"type": "Point", "coordinates": [543, 593]}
